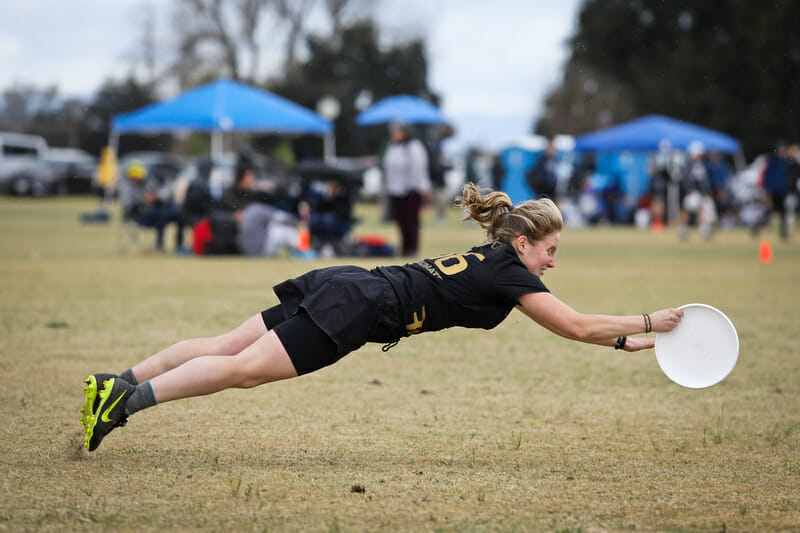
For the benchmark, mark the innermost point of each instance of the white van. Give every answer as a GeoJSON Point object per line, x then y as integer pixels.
{"type": "Point", "coordinates": [19, 145]}
{"type": "Point", "coordinates": [23, 154]}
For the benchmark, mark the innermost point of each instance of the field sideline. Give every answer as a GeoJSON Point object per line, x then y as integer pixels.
{"type": "Point", "coordinates": [460, 430]}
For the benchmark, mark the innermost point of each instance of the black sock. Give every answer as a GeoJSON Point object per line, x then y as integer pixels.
{"type": "Point", "coordinates": [142, 398]}
{"type": "Point", "coordinates": [127, 375]}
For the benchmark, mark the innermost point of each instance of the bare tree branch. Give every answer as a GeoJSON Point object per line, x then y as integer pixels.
{"type": "Point", "coordinates": [294, 12]}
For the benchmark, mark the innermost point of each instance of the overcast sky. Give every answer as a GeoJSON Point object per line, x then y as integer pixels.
{"type": "Point", "coordinates": [492, 61]}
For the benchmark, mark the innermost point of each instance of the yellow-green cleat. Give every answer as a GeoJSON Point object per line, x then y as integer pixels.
{"type": "Point", "coordinates": [94, 384]}
{"type": "Point", "coordinates": [104, 407]}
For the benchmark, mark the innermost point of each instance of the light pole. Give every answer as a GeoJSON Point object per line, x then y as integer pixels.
{"type": "Point", "coordinates": [328, 106]}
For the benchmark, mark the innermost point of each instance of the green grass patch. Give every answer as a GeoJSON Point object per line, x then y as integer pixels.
{"type": "Point", "coordinates": [460, 430]}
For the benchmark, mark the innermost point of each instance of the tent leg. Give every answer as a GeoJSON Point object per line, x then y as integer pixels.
{"type": "Point", "coordinates": [329, 147]}
{"type": "Point", "coordinates": [216, 145]}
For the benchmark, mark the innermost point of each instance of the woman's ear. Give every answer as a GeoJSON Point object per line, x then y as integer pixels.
{"type": "Point", "coordinates": [522, 242]}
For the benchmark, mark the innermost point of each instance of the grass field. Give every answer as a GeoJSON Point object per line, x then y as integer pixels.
{"type": "Point", "coordinates": [511, 429]}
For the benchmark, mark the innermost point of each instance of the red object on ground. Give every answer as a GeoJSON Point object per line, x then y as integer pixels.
{"type": "Point", "coordinates": [765, 252]}
{"type": "Point", "coordinates": [201, 236]}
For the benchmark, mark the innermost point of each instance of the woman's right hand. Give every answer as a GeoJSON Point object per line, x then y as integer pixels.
{"type": "Point", "coordinates": [665, 320]}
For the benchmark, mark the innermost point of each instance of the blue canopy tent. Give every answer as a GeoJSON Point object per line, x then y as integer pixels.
{"type": "Point", "coordinates": [517, 159]}
{"type": "Point", "coordinates": [401, 108]}
{"type": "Point", "coordinates": [646, 133]}
{"type": "Point", "coordinates": [622, 150]}
{"type": "Point", "coordinates": [221, 106]}
{"type": "Point", "coordinates": [521, 155]}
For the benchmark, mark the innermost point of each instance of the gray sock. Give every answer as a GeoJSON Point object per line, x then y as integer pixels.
{"type": "Point", "coordinates": [142, 398]}
{"type": "Point", "coordinates": [127, 375]}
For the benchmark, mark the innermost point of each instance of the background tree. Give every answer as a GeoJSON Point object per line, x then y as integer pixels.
{"type": "Point", "coordinates": [350, 64]}
{"type": "Point", "coordinates": [731, 66]}
{"type": "Point", "coordinates": [74, 123]}
{"type": "Point", "coordinates": [216, 38]}
{"type": "Point", "coordinates": [585, 100]}
{"type": "Point", "coordinates": [338, 55]}
{"type": "Point", "coordinates": [113, 98]}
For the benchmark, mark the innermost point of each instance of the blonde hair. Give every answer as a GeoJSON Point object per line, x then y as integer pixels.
{"type": "Point", "coordinates": [502, 220]}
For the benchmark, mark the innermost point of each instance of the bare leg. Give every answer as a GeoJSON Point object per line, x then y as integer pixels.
{"type": "Point", "coordinates": [230, 343]}
{"type": "Point", "coordinates": [263, 361]}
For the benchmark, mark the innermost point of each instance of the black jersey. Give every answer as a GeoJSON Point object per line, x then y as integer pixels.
{"type": "Point", "coordinates": [352, 305]}
{"type": "Point", "coordinates": [474, 289]}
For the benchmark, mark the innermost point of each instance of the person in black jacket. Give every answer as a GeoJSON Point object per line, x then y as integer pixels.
{"type": "Point", "coordinates": [542, 177]}
{"type": "Point", "coordinates": [325, 314]}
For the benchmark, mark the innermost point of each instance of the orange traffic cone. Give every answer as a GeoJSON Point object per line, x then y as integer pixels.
{"type": "Point", "coordinates": [765, 252]}
{"type": "Point", "coordinates": [303, 239]}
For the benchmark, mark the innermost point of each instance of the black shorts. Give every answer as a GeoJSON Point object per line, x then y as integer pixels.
{"type": "Point", "coordinates": [330, 312]}
{"type": "Point", "coordinates": [308, 346]}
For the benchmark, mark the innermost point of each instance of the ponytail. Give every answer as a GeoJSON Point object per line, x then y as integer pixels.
{"type": "Point", "coordinates": [495, 213]}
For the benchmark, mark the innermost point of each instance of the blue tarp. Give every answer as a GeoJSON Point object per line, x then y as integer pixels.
{"type": "Point", "coordinates": [223, 105]}
{"type": "Point", "coordinates": [516, 163]}
{"type": "Point", "coordinates": [401, 108]}
{"type": "Point", "coordinates": [646, 133]}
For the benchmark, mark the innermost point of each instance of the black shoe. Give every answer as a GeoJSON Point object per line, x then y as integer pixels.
{"type": "Point", "coordinates": [94, 384]}
{"type": "Point", "coordinates": [106, 408]}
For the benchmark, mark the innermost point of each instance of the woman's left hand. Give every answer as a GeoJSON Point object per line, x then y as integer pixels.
{"type": "Point", "coordinates": [634, 344]}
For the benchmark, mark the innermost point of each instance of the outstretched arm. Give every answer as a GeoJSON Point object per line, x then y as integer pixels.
{"type": "Point", "coordinates": [553, 314]}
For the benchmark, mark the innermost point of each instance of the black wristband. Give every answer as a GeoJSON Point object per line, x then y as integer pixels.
{"type": "Point", "coordinates": [620, 342]}
{"type": "Point", "coordinates": [648, 324]}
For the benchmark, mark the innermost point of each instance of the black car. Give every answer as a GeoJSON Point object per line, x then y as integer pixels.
{"type": "Point", "coordinates": [74, 169]}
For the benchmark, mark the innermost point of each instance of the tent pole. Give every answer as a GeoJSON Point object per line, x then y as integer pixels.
{"type": "Point", "coordinates": [216, 145]}
{"type": "Point", "coordinates": [329, 147]}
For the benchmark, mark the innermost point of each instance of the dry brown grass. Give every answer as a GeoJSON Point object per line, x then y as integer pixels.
{"type": "Point", "coordinates": [512, 429]}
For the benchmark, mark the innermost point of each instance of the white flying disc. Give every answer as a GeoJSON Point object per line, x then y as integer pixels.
{"type": "Point", "coordinates": [701, 351]}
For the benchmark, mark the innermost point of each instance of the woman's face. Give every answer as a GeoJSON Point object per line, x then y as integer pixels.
{"type": "Point", "coordinates": [540, 255]}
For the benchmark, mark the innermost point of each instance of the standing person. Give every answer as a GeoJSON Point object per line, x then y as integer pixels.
{"type": "Point", "coordinates": [326, 314]}
{"type": "Point", "coordinates": [793, 173]}
{"type": "Point", "coordinates": [498, 172]}
{"type": "Point", "coordinates": [437, 170]}
{"type": "Point", "coordinates": [661, 184]}
{"type": "Point", "coordinates": [542, 178]}
{"type": "Point", "coordinates": [719, 175]}
{"type": "Point", "coordinates": [405, 169]}
{"type": "Point", "coordinates": [775, 182]}
{"type": "Point", "coordinates": [696, 202]}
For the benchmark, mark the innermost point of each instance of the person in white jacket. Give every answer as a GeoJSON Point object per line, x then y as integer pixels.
{"type": "Point", "coordinates": [408, 184]}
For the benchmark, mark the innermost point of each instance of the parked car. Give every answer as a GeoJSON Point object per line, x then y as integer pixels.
{"type": "Point", "coordinates": [14, 146]}
{"type": "Point", "coordinates": [29, 167]}
{"type": "Point", "coordinates": [18, 152]}
{"type": "Point", "coordinates": [75, 170]}
{"type": "Point", "coordinates": [35, 177]}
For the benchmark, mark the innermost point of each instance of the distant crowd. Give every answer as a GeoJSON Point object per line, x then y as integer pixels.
{"type": "Point", "coordinates": [255, 217]}
{"type": "Point", "coordinates": [249, 216]}
{"type": "Point", "coordinates": [684, 189]}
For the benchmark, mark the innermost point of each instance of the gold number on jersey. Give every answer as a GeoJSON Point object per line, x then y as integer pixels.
{"type": "Point", "coordinates": [416, 325]}
{"type": "Point", "coordinates": [452, 264]}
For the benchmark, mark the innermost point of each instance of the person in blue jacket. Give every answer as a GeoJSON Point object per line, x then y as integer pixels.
{"type": "Point", "coordinates": [775, 182]}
